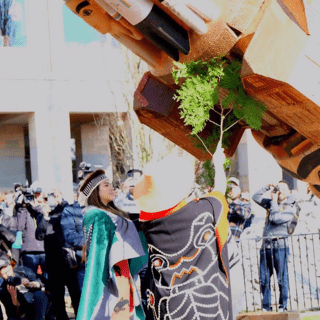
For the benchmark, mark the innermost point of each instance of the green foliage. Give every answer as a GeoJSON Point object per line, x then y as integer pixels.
{"type": "Point", "coordinates": [208, 173]}
{"type": "Point", "coordinates": [199, 93]}
{"type": "Point", "coordinates": [314, 317]}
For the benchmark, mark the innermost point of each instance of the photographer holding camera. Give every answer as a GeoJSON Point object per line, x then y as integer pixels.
{"type": "Point", "coordinates": [50, 231]}
{"type": "Point", "coordinates": [281, 208]}
{"type": "Point", "coordinates": [21, 293]}
{"type": "Point", "coordinates": [27, 210]}
{"type": "Point", "coordinates": [124, 200]}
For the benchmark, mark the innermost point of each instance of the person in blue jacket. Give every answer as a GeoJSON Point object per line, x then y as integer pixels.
{"type": "Point", "coordinates": [71, 224]}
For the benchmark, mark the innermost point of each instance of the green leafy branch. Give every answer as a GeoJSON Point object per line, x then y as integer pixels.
{"type": "Point", "coordinates": [214, 87]}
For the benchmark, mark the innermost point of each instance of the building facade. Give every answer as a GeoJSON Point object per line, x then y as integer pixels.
{"type": "Point", "coordinates": [57, 77]}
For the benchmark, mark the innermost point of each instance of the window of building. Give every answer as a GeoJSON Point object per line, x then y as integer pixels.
{"type": "Point", "coordinates": [291, 181]}
{"type": "Point", "coordinates": [27, 155]}
{"type": "Point", "coordinates": [13, 31]}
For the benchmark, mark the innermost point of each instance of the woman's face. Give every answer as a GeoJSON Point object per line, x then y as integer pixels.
{"type": "Point", "coordinates": [106, 191]}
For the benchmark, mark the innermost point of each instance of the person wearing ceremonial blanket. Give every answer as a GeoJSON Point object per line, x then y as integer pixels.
{"type": "Point", "coordinates": [194, 259]}
{"type": "Point", "coordinates": [115, 254]}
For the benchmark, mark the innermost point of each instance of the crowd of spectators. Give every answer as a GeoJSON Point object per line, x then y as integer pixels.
{"type": "Point", "coordinates": [38, 228]}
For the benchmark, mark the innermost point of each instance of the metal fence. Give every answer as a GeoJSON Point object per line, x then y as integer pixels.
{"type": "Point", "coordinates": [303, 267]}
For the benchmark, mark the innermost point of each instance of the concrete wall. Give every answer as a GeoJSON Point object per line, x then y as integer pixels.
{"type": "Point", "coordinates": [95, 146]}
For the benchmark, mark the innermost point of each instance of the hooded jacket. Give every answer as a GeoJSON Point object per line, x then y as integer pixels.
{"type": "Point", "coordinates": [27, 224]}
{"type": "Point", "coordinates": [279, 215]}
{"type": "Point", "coordinates": [50, 232]}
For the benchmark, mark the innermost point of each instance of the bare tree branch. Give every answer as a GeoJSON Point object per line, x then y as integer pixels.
{"type": "Point", "coordinates": [228, 112]}
{"type": "Point", "coordinates": [215, 111]}
{"type": "Point", "coordinates": [217, 124]}
{"type": "Point", "coordinates": [203, 144]}
{"type": "Point", "coordinates": [231, 125]}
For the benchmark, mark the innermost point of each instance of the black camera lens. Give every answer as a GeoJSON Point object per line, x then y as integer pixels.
{"type": "Point", "coordinates": [275, 189]}
{"type": "Point", "coordinates": [14, 281]}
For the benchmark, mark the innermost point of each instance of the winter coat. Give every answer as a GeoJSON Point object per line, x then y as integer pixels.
{"type": "Point", "coordinates": [27, 224]}
{"type": "Point", "coordinates": [71, 226]}
{"type": "Point", "coordinates": [71, 223]}
{"type": "Point", "coordinates": [279, 216]}
{"type": "Point", "coordinates": [24, 295]}
{"type": "Point", "coordinates": [50, 232]}
{"type": "Point", "coordinates": [7, 238]}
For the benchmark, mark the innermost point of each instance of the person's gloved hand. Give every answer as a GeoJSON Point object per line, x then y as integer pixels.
{"type": "Point", "coordinates": [18, 243]}
{"type": "Point", "coordinates": [193, 13]}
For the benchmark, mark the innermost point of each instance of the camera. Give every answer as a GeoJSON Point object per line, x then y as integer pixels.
{"type": "Point", "coordinates": [51, 199]}
{"type": "Point", "coordinates": [14, 281]}
{"type": "Point", "coordinates": [85, 169]}
{"type": "Point", "coordinates": [275, 189]}
{"type": "Point", "coordinates": [27, 192]}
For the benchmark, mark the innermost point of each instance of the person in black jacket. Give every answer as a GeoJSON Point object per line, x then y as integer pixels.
{"type": "Point", "coordinates": [49, 230]}
{"type": "Point", "coordinates": [21, 293]}
{"type": "Point", "coordinates": [239, 211]}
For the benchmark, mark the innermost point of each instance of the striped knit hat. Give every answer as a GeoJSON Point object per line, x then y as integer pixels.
{"type": "Point", "coordinates": [92, 181]}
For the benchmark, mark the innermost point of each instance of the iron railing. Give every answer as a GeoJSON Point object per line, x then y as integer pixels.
{"type": "Point", "coordinates": [303, 267]}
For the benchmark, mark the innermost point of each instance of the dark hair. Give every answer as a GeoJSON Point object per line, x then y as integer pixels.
{"type": "Point", "coordinates": [95, 200]}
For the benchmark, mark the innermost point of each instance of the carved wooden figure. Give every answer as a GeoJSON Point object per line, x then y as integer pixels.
{"type": "Point", "coordinates": [279, 44]}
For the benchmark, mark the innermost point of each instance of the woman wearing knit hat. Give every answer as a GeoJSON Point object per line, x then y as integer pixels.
{"type": "Point", "coordinates": [194, 260]}
{"type": "Point", "coordinates": [115, 254]}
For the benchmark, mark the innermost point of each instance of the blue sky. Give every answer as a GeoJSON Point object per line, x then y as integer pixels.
{"type": "Point", "coordinates": [76, 30]}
